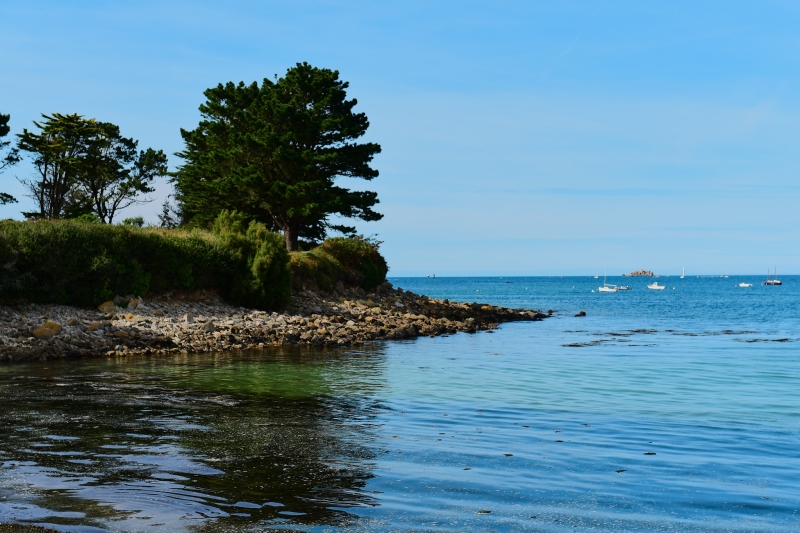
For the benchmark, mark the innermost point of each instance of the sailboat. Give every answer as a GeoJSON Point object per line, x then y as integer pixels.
{"type": "Point", "coordinates": [606, 287]}
{"type": "Point", "coordinates": [774, 280]}
{"type": "Point", "coordinates": [683, 272]}
{"type": "Point", "coordinates": [597, 275]}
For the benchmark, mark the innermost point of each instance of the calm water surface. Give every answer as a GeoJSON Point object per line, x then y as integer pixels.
{"type": "Point", "coordinates": [676, 410]}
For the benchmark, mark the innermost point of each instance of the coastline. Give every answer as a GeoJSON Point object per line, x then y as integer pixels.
{"type": "Point", "coordinates": [203, 323]}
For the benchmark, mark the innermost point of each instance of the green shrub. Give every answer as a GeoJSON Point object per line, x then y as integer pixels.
{"type": "Point", "coordinates": [83, 263]}
{"type": "Point", "coordinates": [354, 261]}
{"type": "Point", "coordinates": [134, 221]}
{"type": "Point", "coordinates": [266, 277]}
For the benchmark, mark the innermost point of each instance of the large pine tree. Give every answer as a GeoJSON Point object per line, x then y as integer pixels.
{"type": "Point", "coordinates": [274, 152]}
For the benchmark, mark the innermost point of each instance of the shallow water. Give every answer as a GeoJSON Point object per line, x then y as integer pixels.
{"type": "Point", "coordinates": [659, 411]}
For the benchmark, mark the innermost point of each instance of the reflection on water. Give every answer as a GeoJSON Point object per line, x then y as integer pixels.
{"type": "Point", "coordinates": [175, 442]}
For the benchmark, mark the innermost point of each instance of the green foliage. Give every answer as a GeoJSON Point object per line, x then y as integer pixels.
{"type": "Point", "coordinates": [274, 151]}
{"type": "Point", "coordinates": [84, 166]}
{"type": "Point", "coordinates": [267, 276]}
{"type": "Point", "coordinates": [137, 222]}
{"type": "Point", "coordinates": [89, 217]}
{"type": "Point", "coordinates": [354, 261]}
{"type": "Point", "coordinates": [84, 263]}
{"type": "Point", "coordinates": [11, 156]}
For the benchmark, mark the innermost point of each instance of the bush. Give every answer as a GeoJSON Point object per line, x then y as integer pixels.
{"type": "Point", "coordinates": [83, 263]}
{"type": "Point", "coordinates": [354, 261]}
{"type": "Point", "coordinates": [266, 277]}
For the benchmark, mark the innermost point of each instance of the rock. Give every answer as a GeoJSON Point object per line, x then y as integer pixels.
{"type": "Point", "coordinates": [93, 326]}
{"type": "Point", "coordinates": [399, 304]}
{"type": "Point", "coordinates": [73, 322]}
{"type": "Point", "coordinates": [340, 287]}
{"type": "Point", "coordinates": [159, 312]}
{"type": "Point", "coordinates": [582, 313]}
{"type": "Point", "coordinates": [641, 273]}
{"type": "Point", "coordinates": [52, 325]}
{"type": "Point", "coordinates": [44, 333]}
{"type": "Point", "coordinates": [209, 326]}
{"type": "Point", "coordinates": [188, 318]}
{"type": "Point", "coordinates": [107, 307]}
{"type": "Point", "coordinates": [134, 303]}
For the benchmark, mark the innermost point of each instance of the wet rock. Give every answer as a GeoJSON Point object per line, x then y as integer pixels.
{"type": "Point", "coordinates": [582, 313]}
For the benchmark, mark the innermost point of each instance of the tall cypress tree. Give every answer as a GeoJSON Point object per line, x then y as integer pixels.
{"type": "Point", "coordinates": [275, 151]}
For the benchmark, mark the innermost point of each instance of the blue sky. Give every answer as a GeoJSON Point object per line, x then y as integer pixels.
{"type": "Point", "coordinates": [518, 137]}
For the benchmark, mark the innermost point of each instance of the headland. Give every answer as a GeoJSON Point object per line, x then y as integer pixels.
{"type": "Point", "coordinates": [202, 322]}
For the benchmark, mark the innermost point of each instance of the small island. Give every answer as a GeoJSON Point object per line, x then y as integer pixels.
{"type": "Point", "coordinates": [641, 273]}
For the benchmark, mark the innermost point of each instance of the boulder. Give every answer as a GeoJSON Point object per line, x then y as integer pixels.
{"type": "Point", "coordinates": [582, 313]}
{"type": "Point", "coordinates": [209, 326]}
{"type": "Point", "coordinates": [107, 307]}
{"type": "Point", "coordinates": [52, 325]}
{"type": "Point", "coordinates": [44, 333]}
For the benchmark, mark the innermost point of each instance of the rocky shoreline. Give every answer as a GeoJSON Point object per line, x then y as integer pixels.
{"type": "Point", "coordinates": [202, 323]}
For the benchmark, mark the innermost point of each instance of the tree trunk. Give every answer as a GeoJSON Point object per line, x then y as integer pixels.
{"type": "Point", "coordinates": [290, 233]}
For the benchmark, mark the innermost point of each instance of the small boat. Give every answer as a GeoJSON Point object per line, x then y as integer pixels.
{"type": "Point", "coordinates": [745, 284]}
{"type": "Point", "coordinates": [656, 287]}
{"type": "Point", "coordinates": [623, 288]}
{"type": "Point", "coordinates": [774, 280]}
{"type": "Point", "coordinates": [683, 272]}
{"type": "Point", "coordinates": [606, 287]}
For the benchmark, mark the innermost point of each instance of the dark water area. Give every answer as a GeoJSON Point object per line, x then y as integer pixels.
{"type": "Point", "coordinates": [675, 410]}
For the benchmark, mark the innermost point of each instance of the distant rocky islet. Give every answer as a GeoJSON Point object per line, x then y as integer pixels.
{"type": "Point", "coordinates": [640, 274]}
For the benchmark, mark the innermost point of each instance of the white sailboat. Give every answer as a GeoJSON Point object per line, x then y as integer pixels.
{"type": "Point", "coordinates": [774, 280]}
{"type": "Point", "coordinates": [683, 272]}
{"type": "Point", "coordinates": [606, 287]}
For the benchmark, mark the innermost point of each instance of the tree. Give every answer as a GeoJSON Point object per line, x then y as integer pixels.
{"type": "Point", "coordinates": [113, 174]}
{"type": "Point", "coordinates": [57, 153]}
{"type": "Point", "coordinates": [273, 152]}
{"type": "Point", "coordinates": [10, 158]}
{"type": "Point", "coordinates": [84, 166]}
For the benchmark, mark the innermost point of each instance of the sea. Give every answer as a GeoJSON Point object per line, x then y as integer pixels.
{"type": "Point", "coordinates": [658, 411]}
